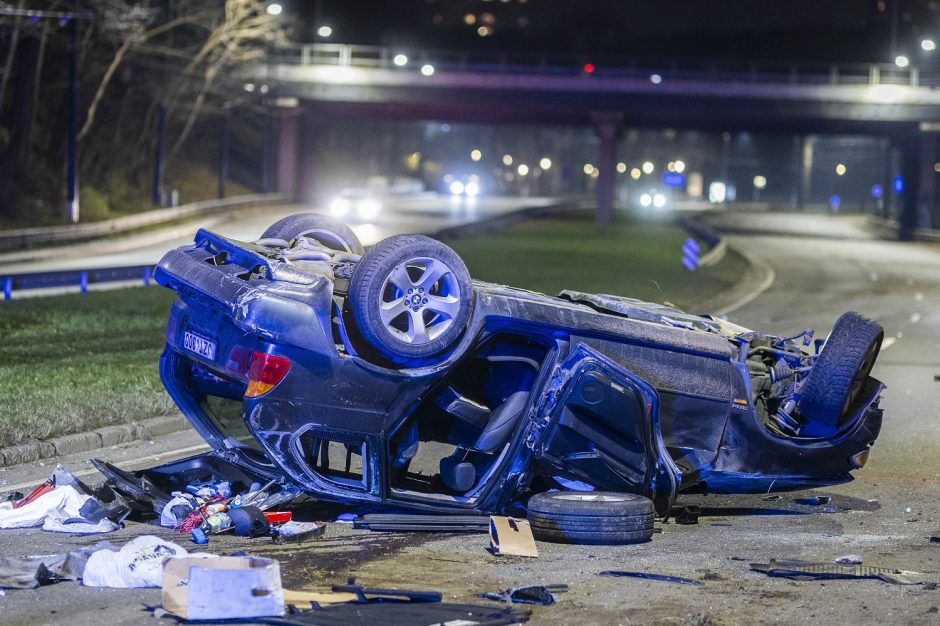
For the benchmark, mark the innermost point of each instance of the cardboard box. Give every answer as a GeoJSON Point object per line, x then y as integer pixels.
{"type": "Point", "coordinates": [509, 535]}
{"type": "Point", "coordinates": [223, 587]}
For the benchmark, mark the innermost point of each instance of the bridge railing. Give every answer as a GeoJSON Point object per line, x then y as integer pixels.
{"type": "Point", "coordinates": [378, 57]}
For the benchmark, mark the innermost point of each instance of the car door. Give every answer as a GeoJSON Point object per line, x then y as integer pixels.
{"type": "Point", "coordinates": [598, 423]}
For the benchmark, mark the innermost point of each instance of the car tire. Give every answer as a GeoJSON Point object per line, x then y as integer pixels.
{"type": "Point", "coordinates": [328, 231]}
{"type": "Point", "coordinates": [425, 274]}
{"type": "Point", "coordinates": [591, 517]}
{"type": "Point", "coordinates": [839, 373]}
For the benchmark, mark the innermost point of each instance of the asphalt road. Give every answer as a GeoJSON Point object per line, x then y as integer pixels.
{"type": "Point", "coordinates": [887, 515]}
{"type": "Point", "coordinates": [423, 213]}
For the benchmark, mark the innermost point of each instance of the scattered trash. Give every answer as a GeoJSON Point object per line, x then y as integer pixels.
{"type": "Point", "coordinates": [30, 572]}
{"type": "Point", "coordinates": [65, 504]}
{"type": "Point", "coordinates": [278, 517]}
{"type": "Point", "coordinates": [404, 614]}
{"type": "Point", "coordinates": [688, 515]}
{"type": "Point", "coordinates": [814, 500]}
{"type": "Point", "coordinates": [392, 522]}
{"type": "Point", "coordinates": [250, 521]}
{"type": "Point", "coordinates": [775, 496]}
{"type": "Point", "coordinates": [935, 539]}
{"type": "Point", "coordinates": [177, 510]}
{"type": "Point", "coordinates": [527, 594]}
{"type": "Point", "coordinates": [224, 587]}
{"type": "Point", "coordinates": [848, 559]}
{"type": "Point", "coordinates": [295, 532]}
{"type": "Point", "coordinates": [364, 595]}
{"type": "Point", "coordinates": [511, 536]}
{"type": "Point", "coordinates": [830, 509]}
{"type": "Point", "coordinates": [807, 570]}
{"type": "Point", "coordinates": [347, 517]}
{"type": "Point", "coordinates": [138, 564]}
{"type": "Point", "coordinates": [648, 576]}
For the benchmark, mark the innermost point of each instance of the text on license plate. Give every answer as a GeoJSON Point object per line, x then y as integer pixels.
{"type": "Point", "coordinates": [200, 345]}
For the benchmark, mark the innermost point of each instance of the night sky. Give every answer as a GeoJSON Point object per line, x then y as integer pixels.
{"type": "Point", "coordinates": [792, 30]}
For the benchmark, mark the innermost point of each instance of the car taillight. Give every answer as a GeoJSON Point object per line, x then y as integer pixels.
{"type": "Point", "coordinates": [265, 371]}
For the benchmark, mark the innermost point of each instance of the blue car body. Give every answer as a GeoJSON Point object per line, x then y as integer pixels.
{"type": "Point", "coordinates": [539, 392]}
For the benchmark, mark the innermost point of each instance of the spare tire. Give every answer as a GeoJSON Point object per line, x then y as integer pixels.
{"type": "Point", "coordinates": [410, 297]}
{"type": "Point", "coordinates": [591, 517]}
{"type": "Point", "coordinates": [328, 231]}
{"type": "Point", "coordinates": [839, 374]}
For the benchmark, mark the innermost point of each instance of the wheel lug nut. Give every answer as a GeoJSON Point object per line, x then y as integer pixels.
{"type": "Point", "coordinates": [410, 290]}
{"type": "Point", "coordinates": [425, 301]}
{"type": "Point", "coordinates": [416, 309]}
{"type": "Point", "coordinates": [421, 289]}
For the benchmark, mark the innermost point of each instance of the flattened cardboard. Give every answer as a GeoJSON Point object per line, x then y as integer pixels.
{"type": "Point", "coordinates": [509, 535]}
{"type": "Point", "coordinates": [225, 587]}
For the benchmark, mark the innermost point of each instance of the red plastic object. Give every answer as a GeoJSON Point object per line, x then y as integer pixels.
{"type": "Point", "coordinates": [277, 517]}
{"type": "Point", "coordinates": [42, 489]}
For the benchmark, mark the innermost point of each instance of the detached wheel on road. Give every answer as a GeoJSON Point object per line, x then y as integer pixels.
{"type": "Point", "coordinates": [322, 228]}
{"type": "Point", "coordinates": [591, 517]}
{"type": "Point", "coordinates": [840, 371]}
{"type": "Point", "coordinates": [410, 297]}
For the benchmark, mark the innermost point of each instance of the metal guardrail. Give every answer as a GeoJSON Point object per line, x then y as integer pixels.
{"type": "Point", "coordinates": [74, 278]}
{"type": "Point", "coordinates": [377, 57]}
{"type": "Point", "coordinates": [28, 237]}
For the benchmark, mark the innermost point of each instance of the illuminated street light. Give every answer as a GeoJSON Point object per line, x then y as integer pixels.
{"type": "Point", "coordinates": [588, 169]}
{"type": "Point", "coordinates": [656, 79]}
{"type": "Point", "coordinates": [545, 163]}
{"type": "Point", "coordinates": [274, 9]}
{"type": "Point", "coordinates": [840, 169]}
{"type": "Point", "coordinates": [324, 31]}
{"type": "Point", "coordinates": [760, 182]}
{"type": "Point", "coordinates": [523, 169]}
{"type": "Point", "coordinates": [507, 160]}
{"type": "Point", "coordinates": [902, 61]}
{"type": "Point", "coordinates": [476, 155]}
{"type": "Point", "coordinates": [680, 166]}
{"type": "Point", "coordinates": [928, 45]}
{"type": "Point", "coordinates": [646, 199]}
{"type": "Point", "coordinates": [400, 60]}
{"type": "Point", "coordinates": [648, 167]}
{"type": "Point", "coordinates": [635, 173]}
{"type": "Point", "coordinates": [249, 87]}
{"type": "Point", "coordinates": [427, 69]}
{"type": "Point", "coordinates": [621, 167]}
{"type": "Point", "coordinates": [671, 166]}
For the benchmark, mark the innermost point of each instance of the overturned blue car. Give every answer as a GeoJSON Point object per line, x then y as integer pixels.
{"type": "Point", "coordinates": [390, 379]}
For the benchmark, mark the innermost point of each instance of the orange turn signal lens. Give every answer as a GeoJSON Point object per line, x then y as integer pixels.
{"type": "Point", "coordinates": [265, 371]}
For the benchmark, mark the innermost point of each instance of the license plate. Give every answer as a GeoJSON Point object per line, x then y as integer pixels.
{"type": "Point", "coordinates": [200, 345]}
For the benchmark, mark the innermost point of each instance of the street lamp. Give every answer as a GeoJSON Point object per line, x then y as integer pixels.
{"type": "Point", "coordinates": [427, 69]}
{"type": "Point", "coordinates": [275, 9]}
{"type": "Point", "coordinates": [324, 31]}
{"type": "Point", "coordinates": [928, 45]}
{"type": "Point", "coordinates": [902, 61]}
{"type": "Point", "coordinates": [400, 60]}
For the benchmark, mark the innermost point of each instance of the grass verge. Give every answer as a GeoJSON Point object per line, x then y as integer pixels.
{"type": "Point", "coordinates": [75, 362]}
{"type": "Point", "coordinates": [631, 258]}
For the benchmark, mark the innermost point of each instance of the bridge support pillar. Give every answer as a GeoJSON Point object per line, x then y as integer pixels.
{"type": "Point", "coordinates": [608, 127]}
{"type": "Point", "coordinates": [918, 203]}
{"type": "Point", "coordinates": [288, 126]}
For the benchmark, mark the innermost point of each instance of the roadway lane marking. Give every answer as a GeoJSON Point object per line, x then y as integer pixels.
{"type": "Point", "coordinates": [171, 455]}
{"type": "Point", "coordinates": [769, 277]}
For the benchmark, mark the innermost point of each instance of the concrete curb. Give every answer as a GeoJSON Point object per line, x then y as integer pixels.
{"type": "Point", "coordinates": [104, 437]}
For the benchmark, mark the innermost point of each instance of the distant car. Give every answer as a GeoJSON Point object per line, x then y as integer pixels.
{"type": "Point", "coordinates": [356, 205]}
{"type": "Point", "coordinates": [389, 379]}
